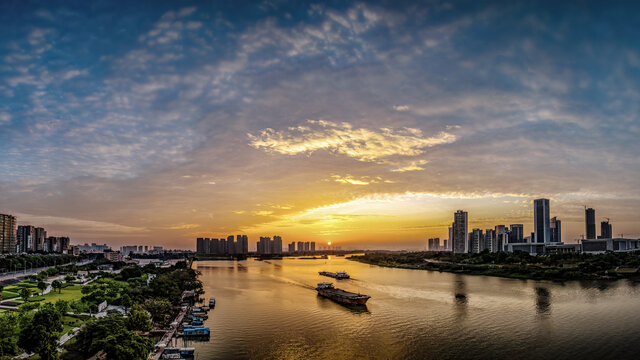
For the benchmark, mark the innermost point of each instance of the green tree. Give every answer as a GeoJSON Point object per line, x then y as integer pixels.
{"type": "Point", "coordinates": [125, 300]}
{"type": "Point", "coordinates": [69, 278]}
{"type": "Point", "coordinates": [138, 319]}
{"type": "Point", "coordinates": [57, 284]}
{"type": "Point", "coordinates": [158, 308]}
{"type": "Point", "coordinates": [42, 286]}
{"type": "Point", "coordinates": [8, 327]}
{"type": "Point", "coordinates": [41, 334]}
{"type": "Point", "coordinates": [110, 334]}
{"type": "Point", "coordinates": [24, 294]}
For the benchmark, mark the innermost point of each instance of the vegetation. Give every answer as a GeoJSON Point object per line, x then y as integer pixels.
{"type": "Point", "coordinates": [141, 291]}
{"type": "Point", "coordinates": [570, 266]}
{"type": "Point", "coordinates": [13, 263]}
{"type": "Point", "coordinates": [41, 333]}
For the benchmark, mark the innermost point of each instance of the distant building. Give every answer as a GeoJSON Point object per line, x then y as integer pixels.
{"type": "Point", "coordinates": [40, 238]}
{"type": "Point", "coordinates": [307, 246]}
{"type": "Point", "coordinates": [590, 223]}
{"type": "Point", "coordinates": [26, 235]}
{"type": "Point", "coordinates": [598, 246]}
{"type": "Point", "coordinates": [313, 246]}
{"type": "Point", "coordinates": [555, 226]}
{"type": "Point", "coordinates": [491, 241]}
{"type": "Point", "coordinates": [8, 242]}
{"type": "Point", "coordinates": [201, 246]}
{"type": "Point", "coordinates": [541, 221]}
{"type": "Point", "coordinates": [300, 246]}
{"type": "Point", "coordinates": [459, 226]}
{"type": "Point", "coordinates": [434, 244]}
{"type": "Point", "coordinates": [113, 256]}
{"type": "Point", "coordinates": [476, 240]}
{"type": "Point", "coordinates": [502, 237]}
{"type": "Point", "coordinates": [292, 247]}
{"type": "Point", "coordinates": [516, 233]}
{"type": "Point", "coordinates": [445, 245]}
{"type": "Point", "coordinates": [276, 245]}
{"type": "Point", "coordinates": [605, 230]}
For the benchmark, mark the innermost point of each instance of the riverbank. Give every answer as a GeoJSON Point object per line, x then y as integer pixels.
{"type": "Point", "coordinates": [608, 266]}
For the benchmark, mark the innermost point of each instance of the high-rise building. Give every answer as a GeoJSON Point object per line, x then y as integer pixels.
{"type": "Point", "coordinates": [490, 240]}
{"type": "Point", "coordinates": [245, 244]}
{"type": "Point", "coordinates": [516, 233]}
{"type": "Point", "coordinates": [555, 226]}
{"type": "Point", "coordinates": [300, 246]}
{"type": "Point", "coordinates": [444, 245]}
{"type": "Point", "coordinates": [26, 235]}
{"type": "Point", "coordinates": [39, 239]}
{"type": "Point", "coordinates": [590, 222]}
{"type": "Point", "coordinates": [460, 241]}
{"type": "Point", "coordinates": [313, 246]}
{"type": "Point", "coordinates": [64, 242]}
{"type": "Point", "coordinates": [450, 238]}
{"type": "Point", "coordinates": [277, 245]}
{"type": "Point", "coordinates": [292, 247]}
{"type": "Point", "coordinates": [476, 240]}
{"type": "Point", "coordinates": [7, 234]}
{"type": "Point", "coordinates": [434, 244]}
{"type": "Point", "coordinates": [502, 237]}
{"type": "Point", "coordinates": [541, 221]}
{"type": "Point", "coordinates": [201, 247]}
{"type": "Point", "coordinates": [307, 246]}
{"type": "Point", "coordinates": [605, 230]}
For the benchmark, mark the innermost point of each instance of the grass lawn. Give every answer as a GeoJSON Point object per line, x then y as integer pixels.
{"type": "Point", "coordinates": [8, 294]}
{"type": "Point", "coordinates": [69, 293]}
{"type": "Point", "coordinates": [71, 322]}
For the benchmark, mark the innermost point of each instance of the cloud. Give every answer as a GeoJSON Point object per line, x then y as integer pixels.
{"type": "Point", "coordinates": [73, 73]}
{"type": "Point", "coordinates": [349, 180]}
{"type": "Point", "coordinates": [183, 226]}
{"type": "Point", "coordinates": [342, 138]}
{"type": "Point", "coordinates": [412, 166]}
{"type": "Point", "coordinates": [401, 107]}
{"type": "Point", "coordinates": [4, 118]}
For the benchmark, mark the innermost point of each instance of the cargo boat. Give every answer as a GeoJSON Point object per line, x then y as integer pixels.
{"type": "Point", "coordinates": [327, 290]}
{"type": "Point", "coordinates": [337, 275]}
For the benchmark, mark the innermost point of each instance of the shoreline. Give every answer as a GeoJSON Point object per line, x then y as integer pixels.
{"type": "Point", "coordinates": [521, 272]}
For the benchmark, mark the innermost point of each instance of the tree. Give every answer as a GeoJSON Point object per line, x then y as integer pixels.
{"type": "Point", "coordinates": [57, 284]}
{"type": "Point", "coordinates": [69, 278]}
{"type": "Point", "coordinates": [24, 294]}
{"type": "Point", "coordinates": [42, 286]}
{"type": "Point", "coordinates": [8, 326]}
{"type": "Point", "coordinates": [138, 319]}
{"type": "Point", "coordinates": [158, 308]}
{"type": "Point", "coordinates": [1, 288]}
{"type": "Point", "coordinates": [110, 334]}
{"type": "Point", "coordinates": [125, 300]}
{"type": "Point", "coordinates": [41, 334]}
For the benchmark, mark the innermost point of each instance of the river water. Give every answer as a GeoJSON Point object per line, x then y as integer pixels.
{"type": "Point", "coordinates": [270, 310]}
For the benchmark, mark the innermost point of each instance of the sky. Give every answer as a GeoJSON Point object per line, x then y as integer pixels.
{"type": "Point", "coordinates": [367, 124]}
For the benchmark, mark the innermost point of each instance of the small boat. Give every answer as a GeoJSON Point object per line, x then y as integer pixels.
{"type": "Point", "coordinates": [195, 332]}
{"type": "Point", "coordinates": [212, 302]}
{"type": "Point", "coordinates": [205, 308]}
{"type": "Point", "coordinates": [337, 275]}
{"type": "Point", "coordinates": [327, 290]}
{"type": "Point", "coordinates": [196, 322]}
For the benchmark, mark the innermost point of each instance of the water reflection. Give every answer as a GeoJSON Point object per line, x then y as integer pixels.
{"type": "Point", "coordinates": [543, 300]}
{"type": "Point", "coordinates": [460, 295]}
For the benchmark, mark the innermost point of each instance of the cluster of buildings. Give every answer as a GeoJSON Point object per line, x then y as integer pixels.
{"type": "Point", "coordinates": [224, 246]}
{"type": "Point", "coordinates": [265, 246]}
{"type": "Point", "coordinates": [17, 239]}
{"type": "Point", "coordinates": [546, 237]}
{"type": "Point", "coordinates": [141, 250]}
{"type": "Point", "coordinates": [303, 247]}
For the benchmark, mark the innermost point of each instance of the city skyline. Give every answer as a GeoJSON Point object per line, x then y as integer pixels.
{"type": "Point", "coordinates": [364, 124]}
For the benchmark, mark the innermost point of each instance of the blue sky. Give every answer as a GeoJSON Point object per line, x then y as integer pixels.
{"type": "Point", "coordinates": [162, 121]}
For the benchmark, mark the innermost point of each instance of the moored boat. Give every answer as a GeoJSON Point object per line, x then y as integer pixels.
{"type": "Point", "coordinates": [212, 302]}
{"type": "Point", "coordinates": [327, 290]}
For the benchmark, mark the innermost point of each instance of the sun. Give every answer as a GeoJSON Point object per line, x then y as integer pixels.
{"type": "Point", "coordinates": [329, 243]}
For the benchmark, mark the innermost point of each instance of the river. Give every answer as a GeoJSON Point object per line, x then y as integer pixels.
{"type": "Point", "coordinates": [270, 310]}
